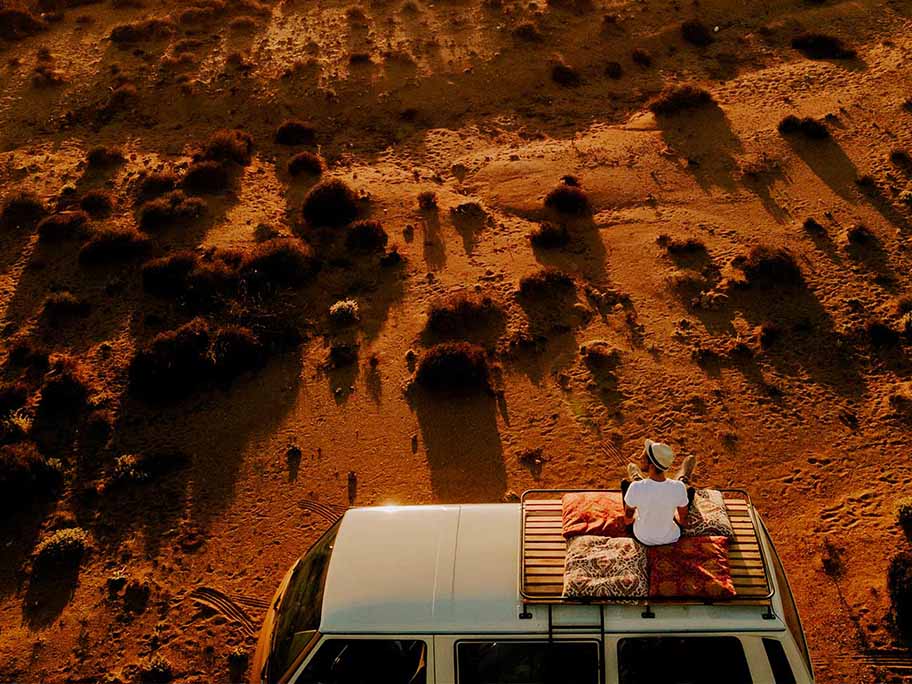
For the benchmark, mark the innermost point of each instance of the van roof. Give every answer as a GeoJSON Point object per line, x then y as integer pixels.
{"type": "Point", "coordinates": [455, 569]}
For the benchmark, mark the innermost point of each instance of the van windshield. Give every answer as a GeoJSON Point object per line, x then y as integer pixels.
{"type": "Point", "coordinates": [298, 616]}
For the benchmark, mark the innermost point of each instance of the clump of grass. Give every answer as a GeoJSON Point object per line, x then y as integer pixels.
{"type": "Point", "coordinates": [62, 305]}
{"type": "Point", "coordinates": [22, 209]}
{"type": "Point", "coordinates": [528, 32]}
{"type": "Point", "coordinates": [821, 46]}
{"type": "Point", "coordinates": [676, 99]}
{"type": "Point", "coordinates": [157, 184]}
{"type": "Point", "coordinates": [235, 350]}
{"type": "Point", "coordinates": [453, 367]}
{"type": "Point", "coordinates": [549, 235]}
{"type": "Point", "coordinates": [345, 312]}
{"type": "Point", "coordinates": [174, 208]}
{"type": "Point", "coordinates": [330, 203]}
{"type": "Point", "coordinates": [306, 164]}
{"type": "Point", "coordinates": [69, 225]}
{"type": "Point", "coordinates": [142, 31]}
{"type": "Point", "coordinates": [229, 146]}
{"type": "Point", "coordinates": [174, 362]}
{"type": "Point", "coordinates": [806, 126]}
{"type": "Point", "coordinates": [156, 670]}
{"type": "Point", "coordinates": [198, 281]}
{"type": "Point", "coordinates": [899, 585]}
{"type": "Point", "coordinates": [696, 33]}
{"type": "Point", "coordinates": [97, 203]}
{"type": "Point", "coordinates": [462, 313]}
{"type": "Point", "coordinates": [813, 227]}
{"type": "Point", "coordinates": [205, 177]}
{"type": "Point", "coordinates": [46, 76]}
{"type": "Point", "coordinates": [860, 235]}
{"type": "Point", "coordinates": [880, 334]}
{"type": "Point", "coordinates": [568, 199]}
{"type": "Point", "coordinates": [641, 57]}
{"type": "Point", "coordinates": [901, 158]}
{"type": "Point", "coordinates": [427, 200]}
{"type": "Point", "coordinates": [904, 514]}
{"type": "Point", "coordinates": [295, 132]}
{"type": "Point", "coordinates": [547, 283]}
{"type": "Point", "coordinates": [365, 237]}
{"type": "Point", "coordinates": [681, 247]}
{"type": "Point", "coordinates": [770, 333]}
{"type": "Point", "coordinates": [770, 267]}
{"type": "Point", "coordinates": [16, 23]}
{"type": "Point", "coordinates": [565, 75]}
{"type": "Point", "coordinates": [26, 476]}
{"type": "Point", "coordinates": [65, 391]}
{"type": "Point", "coordinates": [281, 262]}
{"type": "Point", "coordinates": [62, 549]}
{"type": "Point", "coordinates": [108, 245]}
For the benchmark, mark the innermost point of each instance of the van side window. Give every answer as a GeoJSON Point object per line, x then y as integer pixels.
{"type": "Point", "coordinates": [361, 661]}
{"type": "Point", "coordinates": [527, 662]}
{"type": "Point", "coordinates": [682, 660]}
{"type": "Point", "coordinates": [782, 671]}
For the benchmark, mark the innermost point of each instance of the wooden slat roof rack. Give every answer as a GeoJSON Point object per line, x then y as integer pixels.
{"type": "Point", "coordinates": [543, 550]}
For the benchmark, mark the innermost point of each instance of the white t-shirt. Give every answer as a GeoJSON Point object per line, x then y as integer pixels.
{"type": "Point", "coordinates": [656, 503]}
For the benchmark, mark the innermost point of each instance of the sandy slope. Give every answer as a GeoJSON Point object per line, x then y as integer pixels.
{"type": "Point", "coordinates": [454, 103]}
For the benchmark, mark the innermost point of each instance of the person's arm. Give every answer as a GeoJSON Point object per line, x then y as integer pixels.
{"type": "Point", "coordinates": [683, 506]}
{"type": "Point", "coordinates": [630, 504]}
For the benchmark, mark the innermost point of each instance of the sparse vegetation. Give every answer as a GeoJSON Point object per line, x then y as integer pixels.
{"type": "Point", "coordinates": [61, 305]}
{"type": "Point", "coordinates": [70, 225]}
{"type": "Point", "coordinates": [281, 262]}
{"type": "Point", "coordinates": [228, 146]}
{"type": "Point", "coordinates": [26, 476]}
{"type": "Point", "coordinates": [65, 392]}
{"type": "Point", "coordinates": [345, 312]}
{"type": "Point", "coordinates": [366, 237]}
{"type": "Point", "coordinates": [681, 246]}
{"type": "Point", "coordinates": [676, 99]}
{"type": "Point", "coordinates": [142, 31]}
{"type": "Point", "coordinates": [600, 356]}
{"type": "Point", "coordinates": [807, 126]}
{"type": "Point", "coordinates": [548, 282]}
{"type": "Point", "coordinates": [330, 203]}
{"type": "Point", "coordinates": [549, 235]}
{"type": "Point", "coordinates": [156, 184]}
{"type": "Point", "coordinates": [205, 177]}
{"type": "Point", "coordinates": [427, 200]}
{"type": "Point", "coordinates": [172, 209]}
{"type": "Point", "coordinates": [62, 549]}
{"type": "Point", "coordinates": [860, 235]}
{"type": "Point", "coordinates": [453, 367]}
{"type": "Point", "coordinates": [306, 164]}
{"type": "Point", "coordinates": [899, 584]}
{"type": "Point", "coordinates": [22, 209]}
{"type": "Point", "coordinates": [904, 514]}
{"type": "Point", "coordinates": [16, 23]}
{"type": "Point", "coordinates": [112, 245]}
{"type": "Point", "coordinates": [568, 199]}
{"type": "Point", "coordinates": [97, 203]}
{"type": "Point", "coordinates": [641, 57]}
{"type": "Point", "coordinates": [528, 32]}
{"type": "Point", "coordinates": [821, 46]}
{"type": "Point", "coordinates": [696, 33]}
{"type": "Point", "coordinates": [156, 670]}
{"type": "Point", "coordinates": [565, 75]}
{"type": "Point", "coordinates": [880, 334]}
{"type": "Point", "coordinates": [294, 132]}
{"type": "Point", "coordinates": [812, 227]}
{"type": "Point", "coordinates": [462, 313]}
{"type": "Point", "coordinates": [770, 267]}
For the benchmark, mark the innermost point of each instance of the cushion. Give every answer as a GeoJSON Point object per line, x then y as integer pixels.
{"type": "Point", "coordinates": [599, 513]}
{"type": "Point", "coordinates": [692, 567]}
{"type": "Point", "coordinates": [707, 516]}
{"type": "Point", "coordinates": [605, 567]}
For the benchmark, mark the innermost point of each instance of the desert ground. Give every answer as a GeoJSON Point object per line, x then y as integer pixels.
{"type": "Point", "coordinates": [599, 207]}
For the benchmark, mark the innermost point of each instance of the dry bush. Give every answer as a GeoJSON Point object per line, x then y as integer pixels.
{"type": "Point", "coordinates": [366, 237]}
{"type": "Point", "coordinates": [462, 313]}
{"type": "Point", "coordinates": [860, 235]}
{"type": "Point", "coordinates": [243, 23]}
{"type": "Point", "coordinates": [61, 550]}
{"type": "Point", "coordinates": [641, 57]}
{"type": "Point", "coordinates": [229, 146]}
{"type": "Point", "coordinates": [107, 245]}
{"type": "Point", "coordinates": [901, 158]}
{"type": "Point", "coordinates": [201, 282]}
{"type": "Point", "coordinates": [904, 514]}
{"type": "Point", "coordinates": [427, 200]}
{"type": "Point", "coordinates": [68, 225]}
{"type": "Point", "coordinates": [547, 283]}
{"type": "Point", "coordinates": [770, 333]}
{"type": "Point", "coordinates": [27, 354]}
{"type": "Point", "coordinates": [568, 199]}
{"type": "Point", "coordinates": [565, 75]}
{"type": "Point", "coordinates": [97, 203]}
{"type": "Point", "coordinates": [344, 312]}
{"type": "Point", "coordinates": [295, 132]}
{"type": "Point", "coordinates": [807, 126]}
{"type": "Point", "coordinates": [282, 262]}
{"type": "Point", "coordinates": [306, 163]}
{"type": "Point", "coordinates": [13, 395]}
{"type": "Point", "coordinates": [821, 46]}
{"type": "Point", "coordinates": [172, 209]}
{"type": "Point", "coordinates": [675, 246]}
{"type": "Point", "coordinates": [600, 356]}
{"type": "Point", "coordinates": [899, 584]}
{"type": "Point", "coordinates": [104, 157]}
{"type": "Point", "coordinates": [549, 236]}
{"type": "Point", "coordinates": [454, 367]}
{"type": "Point", "coordinates": [330, 203]}
{"type": "Point", "coordinates": [206, 177]}
{"type": "Point", "coordinates": [142, 31]}
{"type": "Point", "coordinates": [879, 334]}
{"type": "Point", "coordinates": [528, 32]}
{"type": "Point", "coordinates": [22, 209]}
{"type": "Point", "coordinates": [359, 59]}
{"type": "Point", "coordinates": [26, 476]}
{"type": "Point", "coordinates": [235, 350]}
{"type": "Point", "coordinates": [614, 70]}
{"type": "Point", "coordinates": [46, 76]}
{"type": "Point", "coordinates": [62, 305]}
{"type": "Point", "coordinates": [676, 99]}
{"type": "Point", "coordinates": [812, 227]}
{"type": "Point", "coordinates": [157, 183]}
{"type": "Point", "coordinates": [770, 267]}
{"type": "Point", "coordinates": [696, 33]}
{"type": "Point", "coordinates": [156, 669]}
{"type": "Point", "coordinates": [65, 391]}
{"type": "Point", "coordinates": [16, 24]}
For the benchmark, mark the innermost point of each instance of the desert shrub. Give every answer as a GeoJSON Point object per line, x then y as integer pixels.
{"type": "Point", "coordinates": [696, 33]}
{"type": "Point", "coordinates": [22, 209]}
{"type": "Point", "coordinates": [306, 163]}
{"type": "Point", "coordinates": [547, 283]}
{"type": "Point", "coordinates": [65, 391]}
{"type": "Point", "coordinates": [600, 356]}
{"type": "Point", "coordinates": [345, 312]}
{"type": "Point", "coordinates": [689, 245]}
{"type": "Point", "coordinates": [427, 200]}
{"type": "Point", "coordinates": [156, 670]}
{"type": "Point", "coordinates": [770, 332]}
{"type": "Point", "coordinates": [25, 475]}
{"type": "Point", "coordinates": [899, 584]}
{"type": "Point", "coordinates": [174, 362]}
{"type": "Point", "coordinates": [641, 57]}
{"type": "Point", "coordinates": [97, 203]}
{"type": "Point", "coordinates": [158, 183]}
{"type": "Point", "coordinates": [676, 99]}
{"type": "Point", "coordinates": [112, 245]}
{"type": "Point", "coordinates": [27, 354]}
{"type": "Point", "coordinates": [564, 74]}
{"type": "Point", "coordinates": [807, 126]}
{"type": "Point", "coordinates": [812, 226]}
{"type": "Point", "coordinates": [198, 14]}
{"type": "Point", "coordinates": [205, 177]}
{"type": "Point", "coordinates": [62, 549]}
{"type": "Point", "coordinates": [69, 225]}
{"type": "Point", "coordinates": [294, 132]}
{"type": "Point", "coordinates": [278, 262]}
{"type": "Point", "coordinates": [122, 98]}
{"type": "Point", "coordinates": [904, 514]}
{"type": "Point", "coordinates": [568, 199]}
{"type": "Point", "coordinates": [243, 23]}
{"type": "Point", "coordinates": [174, 208]}
{"type": "Point", "coordinates": [46, 76]}
{"type": "Point", "coordinates": [359, 58]}
{"type": "Point", "coordinates": [528, 32]}
{"type": "Point", "coordinates": [98, 427]}
{"type": "Point", "coordinates": [880, 334]}
{"type": "Point", "coordinates": [461, 313]}
{"type": "Point", "coordinates": [167, 276]}
{"type": "Point", "coordinates": [229, 146]}
{"type": "Point", "coordinates": [614, 70]}
{"type": "Point", "coordinates": [453, 367]}
{"type": "Point", "coordinates": [61, 305]}
{"type": "Point", "coordinates": [860, 235]}
{"type": "Point", "coordinates": [365, 237]}
{"type": "Point", "coordinates": [549, 235]}
{"type": "Point", "coordinates": [235, 350]}
{"type": "Point", "coordinates": [330, 203]}
{"type": "Point", "coordinates": [142, 31]}
{"type": "Point", "coordinates": [901, 158]}
{"type": "Point", "coordinates": [821, 46]}
{"type": "Point", "coordinates": [13, 395]}
{"type": "Point", "coordinates": [16, 24]}
{"type": "Point", "coordinates": [770, 267]}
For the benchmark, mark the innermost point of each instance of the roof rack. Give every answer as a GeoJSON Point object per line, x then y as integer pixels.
{"type": "Point", "coordinates": [543, 551]}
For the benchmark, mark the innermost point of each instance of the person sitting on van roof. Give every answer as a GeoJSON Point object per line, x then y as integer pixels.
{"type": "Point", "coordinates": [655, 506]}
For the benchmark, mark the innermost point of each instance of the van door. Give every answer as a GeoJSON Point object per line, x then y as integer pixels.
{"type": "Point", "coordinates": [367, 659]}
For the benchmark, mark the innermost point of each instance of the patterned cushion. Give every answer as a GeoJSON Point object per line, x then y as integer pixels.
{"type": "Point", "coordinates": [605, 567]}
{"type": "Point", "coordinates": [599, 513]}
{"type": "Point", "coordinates": [695, 567]}
{"type": "Point", "coordinates": [707, 516]}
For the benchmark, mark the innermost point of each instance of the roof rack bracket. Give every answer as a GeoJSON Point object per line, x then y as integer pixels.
{"type": "Point", "coordinates": [648, 614]}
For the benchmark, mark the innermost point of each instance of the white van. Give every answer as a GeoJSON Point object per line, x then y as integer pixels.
{"type": "Point", "coordinates": [471, 594]}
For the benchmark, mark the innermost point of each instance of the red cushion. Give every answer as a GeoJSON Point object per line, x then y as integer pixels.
{"type": "Point", "coordinates": [600, 513]}
{"type": "Point", "coordinates": [695, 567]}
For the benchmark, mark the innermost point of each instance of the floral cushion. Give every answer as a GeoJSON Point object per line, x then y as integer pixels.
{"type": "Point", "coordinates": [707, 516]}
{"type": "Point", "coordinates": [692, 567]}
{"type": "Point", "coordinates": [599, 566]}
{"type": "Point", "coordinates": [600, 513]}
